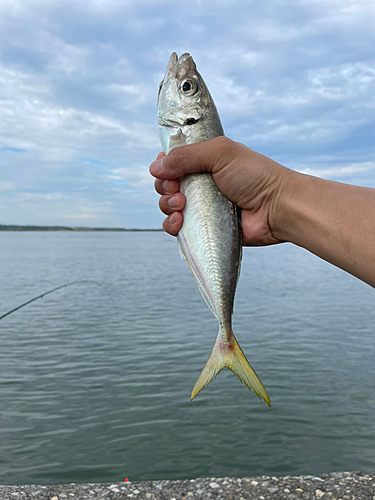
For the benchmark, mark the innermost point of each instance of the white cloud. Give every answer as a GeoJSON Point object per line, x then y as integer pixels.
{"type": "Point", "coordinates": [40, 196]}
{"type": "Point", "coordinates": [132, 97]}
{"type": "Point", "coordinates": [339, 170]}
{"type": "Point", "coordinates": [31, 120]}
{"type": "Point", "coordinates": [80, 81]}
{"type": "Point", "coordinates": [316, 131]}
{"type": "Point", "coordinates": [65, 207]}
{"type": "Point", "coordinates": [137, 176]}
{"type": "Point", "coordinates": [271, 30]}
{"type": "Point", "coordinates": [97, 211]}
{"type": "Point", "coordinates": [347, 81]}
{"type": "Point", "coordinates": [6, 186]}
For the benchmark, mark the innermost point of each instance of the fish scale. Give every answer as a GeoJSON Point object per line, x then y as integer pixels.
{"type": "Point", "coordinates": [201, 221]}
{"type": "Point", "coordinates": [210, 237]}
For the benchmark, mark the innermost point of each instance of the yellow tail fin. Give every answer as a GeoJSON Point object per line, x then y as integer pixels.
{"type": "Point", "coordinates": [229, 355]}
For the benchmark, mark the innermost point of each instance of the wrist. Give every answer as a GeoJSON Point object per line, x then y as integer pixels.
{"type": "Point", "coordinates": [290, 189]}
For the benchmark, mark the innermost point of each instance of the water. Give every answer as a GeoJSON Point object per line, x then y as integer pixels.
{"type": "Point", "coordinates": [93, 393]}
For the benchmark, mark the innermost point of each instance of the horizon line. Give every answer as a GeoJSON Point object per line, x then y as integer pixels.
{"type": "Point", "coordinates": [34, 227]}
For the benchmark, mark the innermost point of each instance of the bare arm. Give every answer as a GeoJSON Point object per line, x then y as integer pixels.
{"type": "Point", "coordinates": [333, 220]}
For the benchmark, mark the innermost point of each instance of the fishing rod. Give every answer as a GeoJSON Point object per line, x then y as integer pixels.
{"type": "Point", "coordinates": [59, 288]}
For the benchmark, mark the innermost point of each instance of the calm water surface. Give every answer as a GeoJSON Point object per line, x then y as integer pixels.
{"type": "Point", "coordinates": [90, 392]}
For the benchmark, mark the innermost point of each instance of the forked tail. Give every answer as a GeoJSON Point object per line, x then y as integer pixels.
{"type": "Point", "coordinates": [229, 354]}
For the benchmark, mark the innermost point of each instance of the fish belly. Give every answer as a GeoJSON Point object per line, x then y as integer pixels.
{"type": "Point", "coordinates": [210, 240]}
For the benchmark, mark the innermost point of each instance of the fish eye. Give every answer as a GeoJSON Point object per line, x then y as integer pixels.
{"type": "Point", "coordinates": [189, 87]}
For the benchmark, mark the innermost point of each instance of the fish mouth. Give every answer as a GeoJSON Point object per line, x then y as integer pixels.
{"type": "Point", "coordinates": [191, 121]}
{"type": "Point", "coordinates": [170, 120]}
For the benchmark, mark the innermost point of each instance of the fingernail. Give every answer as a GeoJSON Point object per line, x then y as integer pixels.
{"type": "Point", "coordinates": [157, 166]}
{"type": "Point", "coordinates": [166, 187]}
{"type": "Point", "coordinates": [172, 218]}
{"type": "Point", "coordinates": [173, 202]}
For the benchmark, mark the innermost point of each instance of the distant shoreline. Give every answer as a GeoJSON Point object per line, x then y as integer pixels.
{"type": "Point", "coordinates": [67, 228]}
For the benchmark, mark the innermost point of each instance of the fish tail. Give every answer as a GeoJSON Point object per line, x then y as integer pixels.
{"type": "Point", "coordinates": [229, 354]}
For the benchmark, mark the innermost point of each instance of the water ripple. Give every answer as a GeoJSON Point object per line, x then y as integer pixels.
{"type": "Point", "coordinates": [89, 395]}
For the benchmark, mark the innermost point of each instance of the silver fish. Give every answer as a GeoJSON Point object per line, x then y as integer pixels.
{"type": "Point", "coordinates": [210, 237]}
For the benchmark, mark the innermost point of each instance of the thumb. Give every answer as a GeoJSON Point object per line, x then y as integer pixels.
{"type": "Point", "coordinates": [198, 157]}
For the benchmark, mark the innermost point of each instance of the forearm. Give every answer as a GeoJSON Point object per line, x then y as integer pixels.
{"type": "Point", "coordinates": [333, 220]}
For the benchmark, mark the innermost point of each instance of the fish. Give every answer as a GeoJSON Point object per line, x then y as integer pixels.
{"type": "Point", "coordinates": [210, 239]}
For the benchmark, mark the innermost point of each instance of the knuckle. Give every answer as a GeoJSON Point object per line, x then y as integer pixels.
{"type": "Point", "coordinates": [167, 227]}
{"type": "Point", "coordinates": [169, 186]}
{"type": "Point", "coordinates": [157, 186]}
{"type": "Point", "coordinates": [223, 143]}
{"type": "Point", "coordinates": [177, 158]}
{"type": "Point", "coordinates": [163, 204]}
{"type": "Point", "coordinates": [226, 150]}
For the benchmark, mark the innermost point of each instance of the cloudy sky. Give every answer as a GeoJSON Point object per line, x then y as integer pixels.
{"type": "Point", "coordinates": [294, 80]}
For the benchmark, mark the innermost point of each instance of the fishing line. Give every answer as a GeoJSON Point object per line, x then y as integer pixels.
{"type": "Point", "coordinates": [59, 288]}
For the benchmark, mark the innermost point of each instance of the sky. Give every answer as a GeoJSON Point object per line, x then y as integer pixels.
{"type": "Point", "coordinates": [294, 80]}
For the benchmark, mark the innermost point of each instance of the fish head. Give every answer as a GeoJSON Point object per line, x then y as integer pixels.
{"type": "Point", "coordinates": [186, 110]}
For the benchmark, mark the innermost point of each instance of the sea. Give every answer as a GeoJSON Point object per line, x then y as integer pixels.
{"type": "Point", "coordinates": [95, 378]}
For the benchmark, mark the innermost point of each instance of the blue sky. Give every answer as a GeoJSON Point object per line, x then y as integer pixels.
{"type": "Point", "coordinates": [78, 86]}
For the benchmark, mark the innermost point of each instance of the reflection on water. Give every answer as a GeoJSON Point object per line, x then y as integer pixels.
{"type": "Point", "coordinates": [91, 394]}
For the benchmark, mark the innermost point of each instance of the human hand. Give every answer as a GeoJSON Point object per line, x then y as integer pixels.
{"type": "Point", "coordinates": [252, 181]}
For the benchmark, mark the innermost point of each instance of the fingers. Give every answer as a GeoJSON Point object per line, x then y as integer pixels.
{"type": "Point", "coordinates": [160, 155]}
{"type": "Point", "coordinates": [167, 187]}
{"type": "Point", "coordinates": [171, 200]}
{"type": "Point", "coordinates": [172, 203]}
{"type": "Point", "coordinates": [173, 223]}
{"type": "Point", "coordinates": [199, 157]}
